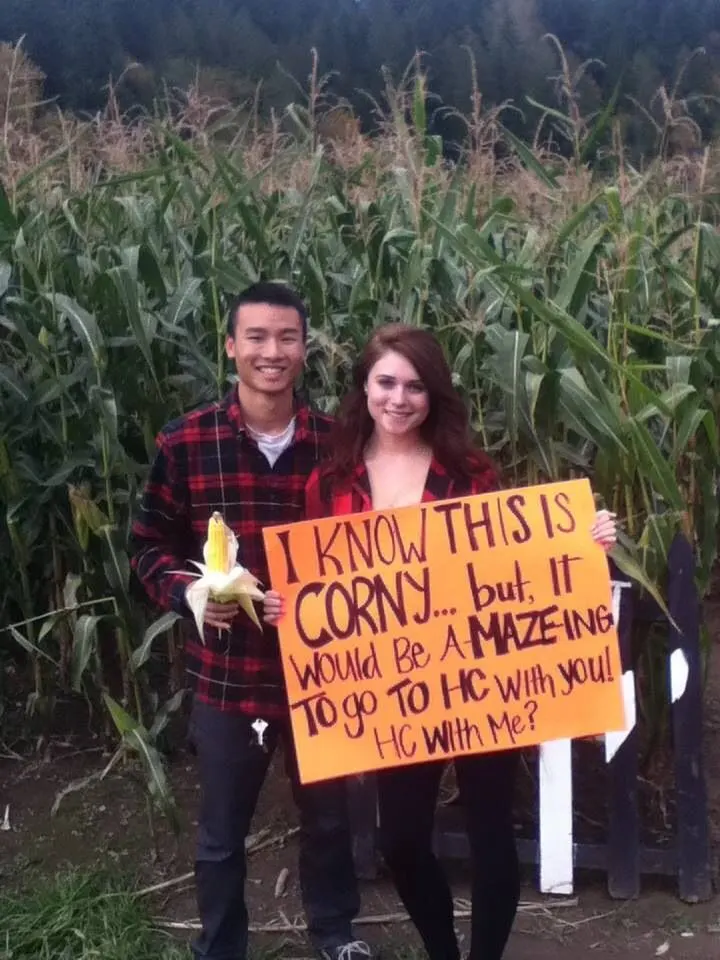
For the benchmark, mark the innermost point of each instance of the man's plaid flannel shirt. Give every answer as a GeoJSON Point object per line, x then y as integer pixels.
{"type": "Point", "coordinates": [206, 461]}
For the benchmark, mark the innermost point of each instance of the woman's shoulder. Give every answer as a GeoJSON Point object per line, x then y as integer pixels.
{"type": "Point", "coordinates": [476, 473]}
{"type": "Point", "coordinates": [326, 493]}
{"type": "Point", "coordinates": [483, 472]}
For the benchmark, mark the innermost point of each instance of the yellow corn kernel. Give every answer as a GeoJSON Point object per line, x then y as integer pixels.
{"type": "Point", "coordinates": [217, 558]}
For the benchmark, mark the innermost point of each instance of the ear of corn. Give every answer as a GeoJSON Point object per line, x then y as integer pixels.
{"type": "Point", "coordinates": [218, 545]}
{"type": "Point", "coordinates": [222, 579]}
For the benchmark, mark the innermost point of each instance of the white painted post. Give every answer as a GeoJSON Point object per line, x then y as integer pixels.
{"type": "Point", "coordinates": [556, 831]}
{"type": "Point", "coordinates": [556, 789]}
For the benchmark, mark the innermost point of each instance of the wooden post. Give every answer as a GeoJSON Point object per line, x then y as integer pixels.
{"type": "Point", "coordinates": [623, 842]}
{"type": "Point", "coordinates": [686, 694]}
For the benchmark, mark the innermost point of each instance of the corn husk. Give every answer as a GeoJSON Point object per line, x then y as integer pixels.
{"type": "Point", "coordinates": [221, 579]}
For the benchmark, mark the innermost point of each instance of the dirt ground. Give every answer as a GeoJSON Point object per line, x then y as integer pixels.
{"type": "Point", "coordinates": [106, 825]}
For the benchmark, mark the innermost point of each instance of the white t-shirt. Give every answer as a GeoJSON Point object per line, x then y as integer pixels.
{"type": "Point", "coordinates": [273, 444]}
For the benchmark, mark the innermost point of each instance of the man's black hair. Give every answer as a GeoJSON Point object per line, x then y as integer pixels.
{"type": "Point", "coordinates": [273, 294]}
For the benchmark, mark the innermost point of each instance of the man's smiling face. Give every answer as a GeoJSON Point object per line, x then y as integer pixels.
{"type": "Point", "coordinates": [268, 347]}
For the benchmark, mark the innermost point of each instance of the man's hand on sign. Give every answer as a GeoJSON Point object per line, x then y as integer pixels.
{"type": "Point", "coordinates": [604, 530]}
{"type": "Point", "coordinates": [274, 607]}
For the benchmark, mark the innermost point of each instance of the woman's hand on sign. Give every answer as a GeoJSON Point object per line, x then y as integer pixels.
{"type": "Point", "coordinates": [604, 530]}
{"type": "Point", "coordinates": [273, 607]}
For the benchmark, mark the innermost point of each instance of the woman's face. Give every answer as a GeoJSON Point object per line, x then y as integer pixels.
{"type": "Point", "coordinates": [396, 396]}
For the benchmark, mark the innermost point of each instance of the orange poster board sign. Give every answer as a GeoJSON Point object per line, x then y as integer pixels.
{"type": "Point", "coordinates": [449, 628]}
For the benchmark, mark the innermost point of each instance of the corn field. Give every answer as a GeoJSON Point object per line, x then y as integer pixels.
{"type": "Point", "coordinates": [577, 308]}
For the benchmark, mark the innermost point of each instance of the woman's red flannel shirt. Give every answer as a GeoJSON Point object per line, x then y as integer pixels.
{"type": "Point", "coordinates": [355, 496]}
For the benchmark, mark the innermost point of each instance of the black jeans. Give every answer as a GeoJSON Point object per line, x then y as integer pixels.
{"type": "Point", "coordinates": [232, 767]}
{"type": "Point", "coordinates": [407, 799]}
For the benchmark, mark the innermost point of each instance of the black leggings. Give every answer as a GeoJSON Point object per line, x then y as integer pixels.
{"type": "Point", "coordinates": [407, 798]}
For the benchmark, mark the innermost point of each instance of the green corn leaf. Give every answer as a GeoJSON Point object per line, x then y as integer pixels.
{"type": "Point", "coordinates": [85, 639]}
{"type": "Point", "coordinates": [653, 465]}
{"type": "Point", "coordinates": [83, 323]}
{"type": "Point", "coordinates": [600, 126]}
{"type": "Point", "coordinates": [628, 564]}
{"type": "Point", "coordinates": [594, 420]}
{"type": "Point", "coordinates": [419, 112]}
{"type": "Point", "coordinates": [130, 295]}
{"type": "Point", "coordinates": [137, 739]}
{"type": "Point", "coordinates": [5, 276]}
{"type": "Point", "coordinates": [579, 277]}
{"type": "Point", "coordinates": [32, 648]}
{"type": "Point", "coordinates": [7, 217]}
{"type": "Point", "coordinates": [141, 655]}
{"type": "Point", "coordinates": [529, 160]}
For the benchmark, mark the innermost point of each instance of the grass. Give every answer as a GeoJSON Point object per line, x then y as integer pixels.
{"type": "Point", "coordinates": [95, 915]}
{"type": "Point", "coordinates": [81, 916]}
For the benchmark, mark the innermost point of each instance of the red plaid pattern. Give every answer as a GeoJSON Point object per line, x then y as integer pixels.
{"type": "Point", "coordinates": [206, 461]}
{"type": "Point", "coordinates": [323, 500]}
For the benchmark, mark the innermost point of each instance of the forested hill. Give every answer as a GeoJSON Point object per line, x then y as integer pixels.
{"type": "Point", "coordinates": [642, 45]}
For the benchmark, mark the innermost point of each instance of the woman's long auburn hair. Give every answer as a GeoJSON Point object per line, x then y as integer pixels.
{"type": "Point", "coordinates": [446, 429]}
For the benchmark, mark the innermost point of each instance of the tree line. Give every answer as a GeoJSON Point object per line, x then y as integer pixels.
{"type": "Point", "coordinates": [635, 48]}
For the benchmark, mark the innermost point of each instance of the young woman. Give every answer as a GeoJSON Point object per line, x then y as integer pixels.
{"type": "Point", "coordinates": [402, 437]}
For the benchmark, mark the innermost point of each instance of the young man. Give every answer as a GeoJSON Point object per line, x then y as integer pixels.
{"type": "Point", "coordinates": [247, 456]}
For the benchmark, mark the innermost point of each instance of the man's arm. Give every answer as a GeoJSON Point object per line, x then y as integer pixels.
{"type": "Point", "coordinates": [161, 535]}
